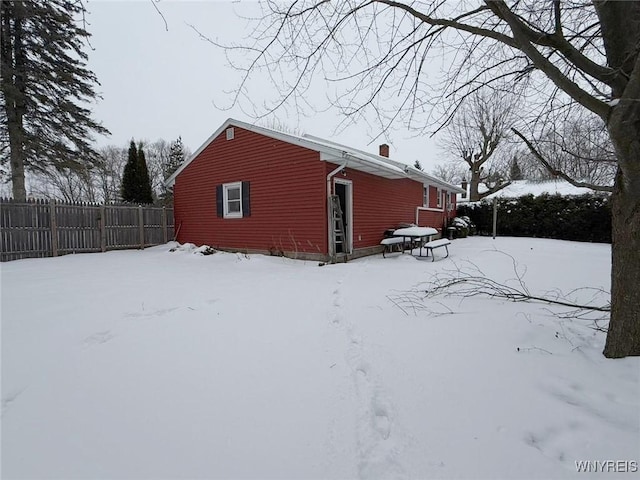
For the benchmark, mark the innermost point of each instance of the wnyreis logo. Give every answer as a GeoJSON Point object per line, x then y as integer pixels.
{"type": "Point", "coordinates": [607, 466]}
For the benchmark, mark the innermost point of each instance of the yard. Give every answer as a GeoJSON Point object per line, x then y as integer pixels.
{"type": "Point", "coordinates": [157, 364]}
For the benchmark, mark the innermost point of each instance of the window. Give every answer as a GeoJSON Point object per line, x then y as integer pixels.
{"type": "Point", "coordinates": [233, 200]}
{"type": "Point", "coordinates": [230, 133]}
{"type": "Point", "coordinates": [425, 197]}
{"type": "Point", "coordinates": [439, 196]}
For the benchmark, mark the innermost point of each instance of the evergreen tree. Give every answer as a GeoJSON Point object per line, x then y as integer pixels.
{"type": "Point", "coordinates": [418, 165]}
{"type": "Point", "coordinates": [145, 192]}
{"type": "Point", "coordinates": [515, 172]}
{"type": "Point", "coordinates": [176, 157]}
{"type": "Point", "coordinates": [130, 176]}
{"type": "Point", "coordinates": [44, 88]}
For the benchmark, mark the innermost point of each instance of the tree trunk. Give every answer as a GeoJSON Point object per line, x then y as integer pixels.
{"type": "Point", "coordinates": [620, 25]}
{"type": "Point", "coordinates": [474, 196]}
{"type": "Point", "coordinates": [19, 189]}
{"type": "Point", "coordinates": [623, 337]}
{"type": "Point", "coordinates": [13, 89]}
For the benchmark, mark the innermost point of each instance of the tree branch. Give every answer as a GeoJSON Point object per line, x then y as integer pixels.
{"type": "Point", "coordinates": [521, 35]}
{"type": "Point", "coordinates": [556, 172]}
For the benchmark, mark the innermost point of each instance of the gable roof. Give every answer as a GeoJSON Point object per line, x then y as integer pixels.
{"type": "Point", "coordinates": [329, 152]}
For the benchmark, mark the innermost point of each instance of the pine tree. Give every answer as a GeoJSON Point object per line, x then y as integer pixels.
{"type": "Point", "coordinates": [145, 192]}
{"type": "Point", "coordinates": [130, 176]}
{"type": "Point", "coordinates": [176, 157]}
{"type": "Point", "coordinates": [44, 88]}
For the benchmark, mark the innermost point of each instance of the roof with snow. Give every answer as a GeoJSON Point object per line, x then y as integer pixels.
{"type": "Point", "coordinates": [520, 188]}
{"type": "Point", "coordinates": [330, 152]}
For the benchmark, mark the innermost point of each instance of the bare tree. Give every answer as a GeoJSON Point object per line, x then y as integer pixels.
{"type": "Point", "coordinates": [573, 54]}
{"type": "Point", "coordinates": [450, 172]}
{"type": "Point", "coordinates": [67, 185]}
{"type": "Point", "coordinates": [108, 173]}
{"type": "Point", "coordinates": [578, 150]}
{"type": "Point", "coordinates": [476, 135]}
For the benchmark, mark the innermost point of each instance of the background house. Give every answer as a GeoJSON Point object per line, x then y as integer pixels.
{"type": "Point", "coordinates": [253, 189]}
{"type": "Point", "coordinates": [520, 188]}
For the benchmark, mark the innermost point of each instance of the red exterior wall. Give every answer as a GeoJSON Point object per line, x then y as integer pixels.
{"type": "Point", "coordinates": [378, 204]}
{"type": "Point", "coordinates": [437, 217]}
{"type": "Point", "coordinates": [288, 198]}
{"type": "Point", "coordinates": [288, 195]}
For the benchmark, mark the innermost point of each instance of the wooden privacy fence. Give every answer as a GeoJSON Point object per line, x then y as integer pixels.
{"type": "Point", "coordinates": [45, 228]}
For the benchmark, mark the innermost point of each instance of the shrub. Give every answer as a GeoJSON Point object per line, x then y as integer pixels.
{"type": "Point", "coordinates": [585, 218]}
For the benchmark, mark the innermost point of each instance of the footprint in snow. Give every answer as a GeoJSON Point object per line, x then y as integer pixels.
{"type": "Point", "coordinates": [99, 338]}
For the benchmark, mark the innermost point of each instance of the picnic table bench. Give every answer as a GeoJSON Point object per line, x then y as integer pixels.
{"type": "Point", "coordinates": [443, 242]}
{"type": "Point", "coordinates": [390, 242]}
{"type": "Point", "coordinates": [414, 237]}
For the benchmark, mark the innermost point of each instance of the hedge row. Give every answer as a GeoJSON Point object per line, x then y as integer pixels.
{"type": "Point", "coordinates": [585, 218]}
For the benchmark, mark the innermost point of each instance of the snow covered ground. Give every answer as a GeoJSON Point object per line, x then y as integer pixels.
{"type": "Point", "coordinates": [151, 364]}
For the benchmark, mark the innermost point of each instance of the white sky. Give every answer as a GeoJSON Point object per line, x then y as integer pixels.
{"type": "Point", "coordinates": [160, 84]}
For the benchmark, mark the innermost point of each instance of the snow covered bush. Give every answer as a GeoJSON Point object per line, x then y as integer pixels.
{"type": "Point", "coordinates": [464, 226]}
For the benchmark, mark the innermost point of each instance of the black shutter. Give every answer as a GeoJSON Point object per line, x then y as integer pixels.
{"type": "Point", "coordinates": [219, 201]}
{"type": "Point", "coordinates": [246, 199]}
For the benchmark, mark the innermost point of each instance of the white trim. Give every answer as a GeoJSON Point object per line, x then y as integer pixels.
{"type": "Point", "coordinates": [431, 209]}
{"type": "Point", "coordinates": [349, 195]}
{"type": "Point", "coordinates": [330, 243]}
{"type": "Point", "coordinates": [427, 209]}
{"type": "Point", "coordinates": [329, 151]}
{"type": "Point", "coordinates": [225, 196]}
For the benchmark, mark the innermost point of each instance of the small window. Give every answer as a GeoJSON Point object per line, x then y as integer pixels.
{"type": "Point", "coordinates": [439, 193]}
{"type": "Point", "coordinates": [425, 197]}
{"type": "Point", "coordinates": [449, 200]}
{"type": "Point", "coordinates": [232, 200]}
{"type": "Point", "coordinates": [230, 133]}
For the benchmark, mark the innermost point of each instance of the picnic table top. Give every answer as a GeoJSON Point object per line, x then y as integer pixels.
{"type": "Point", "coordinates": [415, 232]}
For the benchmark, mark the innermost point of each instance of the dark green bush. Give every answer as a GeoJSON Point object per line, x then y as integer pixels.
{"type": "Point", "coordinates": [584, 218]}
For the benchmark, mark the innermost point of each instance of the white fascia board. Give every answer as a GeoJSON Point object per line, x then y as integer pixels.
{"type": "Point", "coordinates": [385, 171]}
{"type": "Point", "coordinates": [407, 170]}
{"type": "Point", "coordinates": [329, 151]}
{"type": "Point", "coordinates": [231, 122]}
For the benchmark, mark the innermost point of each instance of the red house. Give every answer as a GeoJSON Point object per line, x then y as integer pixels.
{"type": "Point", "coordinates": [256, 190]}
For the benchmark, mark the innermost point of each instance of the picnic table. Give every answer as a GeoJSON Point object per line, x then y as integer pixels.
{"type": "Point", "coordinates": [412, 237]}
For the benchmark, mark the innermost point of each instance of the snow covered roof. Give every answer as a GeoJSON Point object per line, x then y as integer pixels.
{"type": "Point", "coordinates": [329, 152]}
{"type": "Point", "coordinates": [520, 188]}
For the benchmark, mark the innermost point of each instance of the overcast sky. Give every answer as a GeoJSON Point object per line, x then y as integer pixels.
{"type": "Point", "coordinates": [159, 83]}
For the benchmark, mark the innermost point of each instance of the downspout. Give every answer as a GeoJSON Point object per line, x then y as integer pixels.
{"type": "Point", "coordinates": [332, 246]}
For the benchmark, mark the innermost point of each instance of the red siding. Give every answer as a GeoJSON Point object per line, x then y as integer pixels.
{"type": "Point", "coordinates": [437, 217]}
{"type": "Point", "coordinates": [379, 204]}
{"type": "Point", "coordinates": [288, 198]}
{"type": "Point", "coordinates": [288, 195]}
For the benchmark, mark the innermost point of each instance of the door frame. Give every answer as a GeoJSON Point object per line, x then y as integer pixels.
{"type": "Point", "coordinates": [349, 208]}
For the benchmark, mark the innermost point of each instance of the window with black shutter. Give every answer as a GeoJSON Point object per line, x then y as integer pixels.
{"type": "Point", "coordinates": [233, 200]}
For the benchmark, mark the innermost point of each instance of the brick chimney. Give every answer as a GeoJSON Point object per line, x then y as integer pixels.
{"type": "Point", "coordinates": [384, 150]}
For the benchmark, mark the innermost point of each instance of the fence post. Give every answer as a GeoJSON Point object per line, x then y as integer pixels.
{"type": "Point", "coordinates": [103, 228]}
{"type": "Point", "coordinates": [165, 235]}
{"type": "Point", "coordinates": [54, 228]}
{"type": "Point", "coordinates": [141, 226]}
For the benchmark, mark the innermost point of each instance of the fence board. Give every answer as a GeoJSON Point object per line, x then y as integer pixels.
{"type": "Point", "coordinates": [42, 228]}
